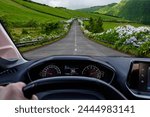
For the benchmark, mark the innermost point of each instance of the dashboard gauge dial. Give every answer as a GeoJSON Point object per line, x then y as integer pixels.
{"type": "Point", "coordinates": [92, 71]}
{"type": "Point", "coordinates": [50, 70]}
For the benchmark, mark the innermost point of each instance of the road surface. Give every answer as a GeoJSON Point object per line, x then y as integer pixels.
{"type": "Point", "coordinates": [75, 43]}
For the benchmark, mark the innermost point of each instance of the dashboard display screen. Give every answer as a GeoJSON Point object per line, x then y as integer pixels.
{"type": "Point", "coordinates": [71, 70]}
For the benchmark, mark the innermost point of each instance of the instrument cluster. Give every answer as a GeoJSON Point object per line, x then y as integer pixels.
{"type": "Point", "coordinates": [72, 68]}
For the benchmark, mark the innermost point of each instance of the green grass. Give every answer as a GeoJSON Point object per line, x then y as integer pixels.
{"type": "Point", "coordinates": [111, 25]}
{"type": "Point", "coordinates": [111, 18]}
{"type": "Point", "coordinates": [58, 12]}
{"type": "Point", "coordinates": [44, 9]}
{"type": "Point", "coordinates": [17, 33]}
{"type": "Point", "coordinates": [18, 14]}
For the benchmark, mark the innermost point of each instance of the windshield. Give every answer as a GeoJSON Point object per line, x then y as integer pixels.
{"type": "Point", "coordinates": [42, 28]}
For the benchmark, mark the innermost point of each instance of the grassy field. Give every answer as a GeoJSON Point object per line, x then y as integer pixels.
{"type": "Point", "coordinates": [18, 33]}
{"type": "Point", "coordinates": [44, 9]}
{"type": "Point", "coordinates": [111, 18]}
{"type": "Point", "coordinates": [61, 12]}
{"type": "Point", "coordinates": [18, 15]}
{"type": "Point", "coordinates": [111, 25]}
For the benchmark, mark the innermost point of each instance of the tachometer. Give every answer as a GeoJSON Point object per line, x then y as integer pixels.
{"type": "Point", "coordinates": [50, 70]}
{"type": "Point", "coordinates": [92, 71]}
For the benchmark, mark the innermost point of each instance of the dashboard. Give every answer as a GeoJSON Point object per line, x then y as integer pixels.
{"type": "Point", "coordinates": [130, 76]}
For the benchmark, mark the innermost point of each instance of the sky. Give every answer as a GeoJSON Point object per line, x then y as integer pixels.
{"type": "Point", "coordinates": [75, 4]}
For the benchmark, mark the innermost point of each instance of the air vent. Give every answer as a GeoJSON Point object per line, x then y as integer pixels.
{"type": "Point", "coordinates": [8, 71]}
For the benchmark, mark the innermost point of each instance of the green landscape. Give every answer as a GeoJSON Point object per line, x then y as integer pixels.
{"type": "Point", "coordinates": [130, 36]}
{"type": "Point", "coordinates": [29, 21]}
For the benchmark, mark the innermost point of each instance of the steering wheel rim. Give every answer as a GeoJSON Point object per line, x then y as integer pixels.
{"type": "Point", "coordinates": [72, 82]}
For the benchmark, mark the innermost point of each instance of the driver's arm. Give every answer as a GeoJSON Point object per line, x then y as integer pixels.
{"type": "Point", "coordinates": [13, 92]}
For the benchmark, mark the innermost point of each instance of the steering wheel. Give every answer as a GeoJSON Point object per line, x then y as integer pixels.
{"type": "Point", "coordinates": [72, 87]}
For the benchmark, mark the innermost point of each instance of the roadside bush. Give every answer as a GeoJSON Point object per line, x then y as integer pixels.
{"type": "Point", "coordinates": [144, 49]}
{"type": "Point", "coordinates": [95, 25]}
{"type": "Point", "coordinates": [49, 27]}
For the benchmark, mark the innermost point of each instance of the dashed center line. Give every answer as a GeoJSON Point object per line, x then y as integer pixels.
{"type": "Point", "coordinates": [75, 49]}
{"type": "Point", "coordinates": [75, 44]}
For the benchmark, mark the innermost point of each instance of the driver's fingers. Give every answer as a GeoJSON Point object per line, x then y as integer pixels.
{"type": "Point", "coordinates": [34, 97]}
{"type": "Point", "coordinates": [20, 85]}
{"type": "Point", "coordinates": [14, 92]}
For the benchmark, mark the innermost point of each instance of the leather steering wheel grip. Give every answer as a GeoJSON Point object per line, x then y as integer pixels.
{"type": "Point", "coordinates": [72, 82]}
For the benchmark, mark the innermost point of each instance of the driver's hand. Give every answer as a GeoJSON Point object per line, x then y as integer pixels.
{"type": "Point", "coordinates": [13, 92]}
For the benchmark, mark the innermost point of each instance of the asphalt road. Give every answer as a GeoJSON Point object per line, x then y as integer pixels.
{"type": "Point", "coordinates": [75, 43]}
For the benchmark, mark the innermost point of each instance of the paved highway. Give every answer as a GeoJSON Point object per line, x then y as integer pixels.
{"type": "Point", "coordinates": [75, 43]}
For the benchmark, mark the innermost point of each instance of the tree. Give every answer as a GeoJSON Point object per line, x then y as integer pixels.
{"type": "Point", "coordinates": [99, 25]}
{"type": "Point", "coordinates": [95, 25]}
{"type": "Point", "coordinates": [91, 24]}
{"type": "Point", "coordinates": [51, 26]}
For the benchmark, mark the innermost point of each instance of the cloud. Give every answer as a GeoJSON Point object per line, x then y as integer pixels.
{"type": "Point", "coordinates": [75, 4]}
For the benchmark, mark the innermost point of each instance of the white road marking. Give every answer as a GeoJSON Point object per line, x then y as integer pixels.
{"type": "Point", "coordinates": [75, 40]}
{"type": "Point", "coordinates": [75, 49]}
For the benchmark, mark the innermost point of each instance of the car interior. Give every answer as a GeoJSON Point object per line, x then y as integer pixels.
{"type": "Point", "coordinates": [75, 77]}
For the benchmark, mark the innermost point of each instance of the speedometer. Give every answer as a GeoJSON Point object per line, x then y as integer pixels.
{"type": "Point", "coordinates": [50, 71]}
{"type": "Point", "coordinates": [92, 71]}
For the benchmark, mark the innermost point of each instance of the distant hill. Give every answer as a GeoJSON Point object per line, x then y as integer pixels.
{"type": "Point", "coordinates": [96, 8]}
{"type": "Point", "coordinates": [91, 9]}
{"type": "Point", "coordinates": [105, 8]}
{"type": "Point", "coordinates": [135, 10]}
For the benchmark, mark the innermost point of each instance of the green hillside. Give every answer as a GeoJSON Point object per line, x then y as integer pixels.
{"type": "Point", "coordinates": [19, 12]}
{"type": "Point", "coordinates": [112, 10]}
{"type": "Point", "coordinates": [18, 15]}
{"type": "Point", "coordinates": [97, 8]}
{"type": "Point", "coordinates": [104, 8]}
{"type": "Point", "coordinates": [91, 9]}
{"type": "Point", "coordinates": [58, 11]}
{"type": "Point", "coordinates": [135, 10]}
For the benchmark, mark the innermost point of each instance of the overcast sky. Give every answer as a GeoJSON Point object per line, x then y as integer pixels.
{"type": "Point", "coordinates": [76, 4]}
